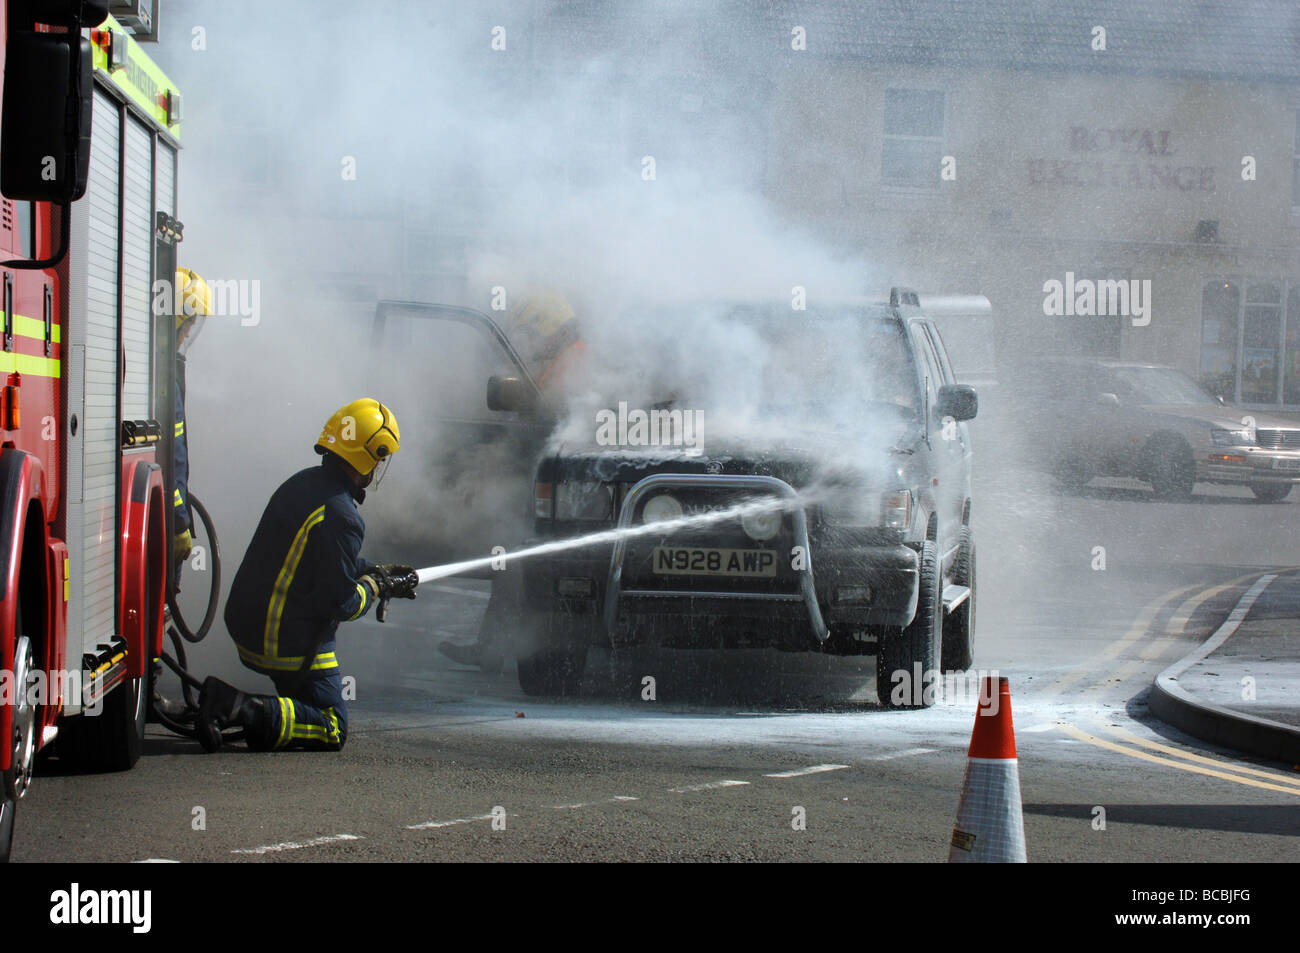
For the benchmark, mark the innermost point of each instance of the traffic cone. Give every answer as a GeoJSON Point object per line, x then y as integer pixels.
{"type": "Point", "coordinates": [990, 825]}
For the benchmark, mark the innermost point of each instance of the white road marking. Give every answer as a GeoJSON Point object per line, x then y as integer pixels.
{"type": "Point", "coordinates": [616, 799]}
{"type": "Point", "coordinates": [427, 825]}
{"type": "Point", "coordinates": [1037, 728]}
{"type": "Point", "coordinates": [706, 787]}
{"type": "Point", "coordinates": [800, 772]}
{"type": "Point", "coordinates": [294, 845]}
{"type": "Point", "coordinates": [906, 753]}
{"type": "Point", "coordinates": [157, 860]}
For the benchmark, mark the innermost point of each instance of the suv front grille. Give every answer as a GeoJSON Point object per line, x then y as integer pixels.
{"type": "Point", "coordinates": [1278, 439]}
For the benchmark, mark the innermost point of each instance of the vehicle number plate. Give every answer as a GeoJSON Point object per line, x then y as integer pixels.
{"type": "Point", "coordinates": [1285, 463]}
{"type": "Point", "coordinates": [694, 561]}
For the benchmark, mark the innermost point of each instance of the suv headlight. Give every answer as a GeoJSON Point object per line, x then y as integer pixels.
{"type": "Point", "coordinates": [661, 508]}
{"type": "Point", "coordinates": [866, 509]}
{"type": "Point", "coordinates": [583, 501]}
{"type": "Point", "coordinates": [761, 526]}
{"type": "Point", "coordinates": [1233, 438]}
{"type": "Point", "coordinates": [896, 509]}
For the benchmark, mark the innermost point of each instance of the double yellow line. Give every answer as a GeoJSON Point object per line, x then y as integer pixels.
{"type": "Point", "coordinates": [1195, 763]}
{"type": "Point", "coordinates": [1141, 628]}
{"type": "Point", "coordinates": [1142, 748]}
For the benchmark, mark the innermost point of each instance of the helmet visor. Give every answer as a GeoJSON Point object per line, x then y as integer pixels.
{"type": "Point", "coordinates": [187, 332]}
{"type": "Point", "coordinates": [380, 469]}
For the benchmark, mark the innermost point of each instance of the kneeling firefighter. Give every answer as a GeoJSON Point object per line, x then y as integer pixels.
{"type": "Point", "coordinates": [301, 576]}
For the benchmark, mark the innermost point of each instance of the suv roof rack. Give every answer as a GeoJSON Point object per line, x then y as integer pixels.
{"type": "Point", "coordinates": [903, 297]}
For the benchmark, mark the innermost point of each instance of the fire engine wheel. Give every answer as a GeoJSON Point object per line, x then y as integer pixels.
{"type": "Point", "coordinates": [22, 754]}
{"type": "Point", "coordinates": [111, 739]}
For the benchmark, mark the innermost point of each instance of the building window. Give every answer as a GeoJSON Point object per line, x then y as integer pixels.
{"type": "Point", "coordinates": [912, 145]}
{"type": "Point", "coordinates": [1250, 341]}
{"type": "Point", "coordinates": [1220, 305]}
{"type": "Point", "coordinates": [1260, 339]}
{"type": "Point", "coordinates": [1295, 166]}
{"type": "Point", "coordinates": [1291, 349]}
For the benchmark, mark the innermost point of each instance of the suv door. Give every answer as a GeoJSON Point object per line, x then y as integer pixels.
{"type": "Point", "coordinates": [948, 454]}
{"type": "Point", "coordinates": [463, 481]}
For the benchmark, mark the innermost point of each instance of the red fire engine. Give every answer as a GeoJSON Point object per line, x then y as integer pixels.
{"type": "Point", "coordinates": [88, 154]}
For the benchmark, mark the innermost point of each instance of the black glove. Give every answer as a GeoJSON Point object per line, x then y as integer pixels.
{"type": "Point", "coordinates": [402, 580]}
{"type": "Point", "coordinates": [390, 581]}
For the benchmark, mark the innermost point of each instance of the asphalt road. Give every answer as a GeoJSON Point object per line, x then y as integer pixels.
{"type": "Point", "coordinates": [443, 763]}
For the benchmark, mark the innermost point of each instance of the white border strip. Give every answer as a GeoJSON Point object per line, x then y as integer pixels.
{"type": "Point", "coordinates": [1223, 632]}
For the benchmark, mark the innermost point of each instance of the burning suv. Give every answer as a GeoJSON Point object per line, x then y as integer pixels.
{"type": "Point", "coordinates": [810, 491]}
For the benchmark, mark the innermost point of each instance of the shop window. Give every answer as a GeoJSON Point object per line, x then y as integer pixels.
{"type": "Point", "coordinates": [1295, 166]}
{"type": "Point", "coordinates": [912, 145]}
{"type": "Point", "coordinates": [1260, 339]}
{"type": "Point", "coordinates": [1250, 341]}
{"type": "Point", "coordinates": [1220, 304]}
{"type": "Point", "coordinates": [1291, 349]}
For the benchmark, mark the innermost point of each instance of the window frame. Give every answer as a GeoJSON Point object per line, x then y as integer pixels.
{"type": "Point", "coordinates": [1244, 282]}
{"type": "Point", "coordinates": [907, 188]}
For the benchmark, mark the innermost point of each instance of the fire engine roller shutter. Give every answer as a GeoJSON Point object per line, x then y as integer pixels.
{"type": "Point", "coordinates": [137, 271]}
{"type": "Point", "coordinates": [165, 179]}
{"type": "Point", "coordinates": [99, 423]}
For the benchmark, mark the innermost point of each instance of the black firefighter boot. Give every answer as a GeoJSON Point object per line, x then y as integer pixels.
{"type": "Point", "coordinates": [224, 706]}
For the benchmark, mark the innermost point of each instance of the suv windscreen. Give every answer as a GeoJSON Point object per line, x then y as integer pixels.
{"type": "Point", "coordinates": [771, 360]}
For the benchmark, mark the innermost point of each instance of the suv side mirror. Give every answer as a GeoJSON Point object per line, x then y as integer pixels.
{"type": "Point", "coordinates": [510, 393]}
{"type": "Point", "coordinates": [957, 401]}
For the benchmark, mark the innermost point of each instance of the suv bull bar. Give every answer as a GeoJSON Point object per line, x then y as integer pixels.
{"type": "Point", "coordinates": [807, 591]}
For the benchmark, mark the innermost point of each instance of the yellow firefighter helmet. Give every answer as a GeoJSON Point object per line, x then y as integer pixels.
{"type": "Point", "coordinates": [194, 297]}
{"type": "Point", "coordinates": [363, 433]}
{"type": "Point", "coordinates": [542, 312]}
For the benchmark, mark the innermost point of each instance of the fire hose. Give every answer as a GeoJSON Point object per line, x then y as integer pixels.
{"type": "Point", "coordinates": [179, 631]}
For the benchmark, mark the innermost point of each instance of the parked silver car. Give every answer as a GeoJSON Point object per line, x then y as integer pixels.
{"type": "Point", "coordinates": [1095, 418]}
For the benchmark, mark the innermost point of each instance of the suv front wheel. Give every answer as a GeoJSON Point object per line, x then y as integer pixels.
{"type": "Point", "coordinates": [907, 663]}
{"type": "Point", "coordinates": [959, 627]}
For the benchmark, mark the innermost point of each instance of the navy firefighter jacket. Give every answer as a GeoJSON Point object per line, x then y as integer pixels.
{"type": "Point", "coordinates": [298, 580]}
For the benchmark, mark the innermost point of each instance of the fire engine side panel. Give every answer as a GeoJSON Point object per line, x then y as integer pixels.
{"type": "Point", "coordinates": [137, 271]}
{"type": "Point", "coordinates": [92, 337]}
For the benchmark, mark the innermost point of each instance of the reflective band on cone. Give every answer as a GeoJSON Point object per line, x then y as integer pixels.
{"type": "Point", "coordinates": [990, 824]}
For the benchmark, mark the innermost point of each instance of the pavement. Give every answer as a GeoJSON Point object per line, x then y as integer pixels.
{"type": "Point", "coordinates": [1241, 687]}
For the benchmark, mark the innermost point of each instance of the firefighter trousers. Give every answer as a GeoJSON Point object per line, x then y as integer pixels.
{"type": "Point", "coordinates": [309, 714]}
